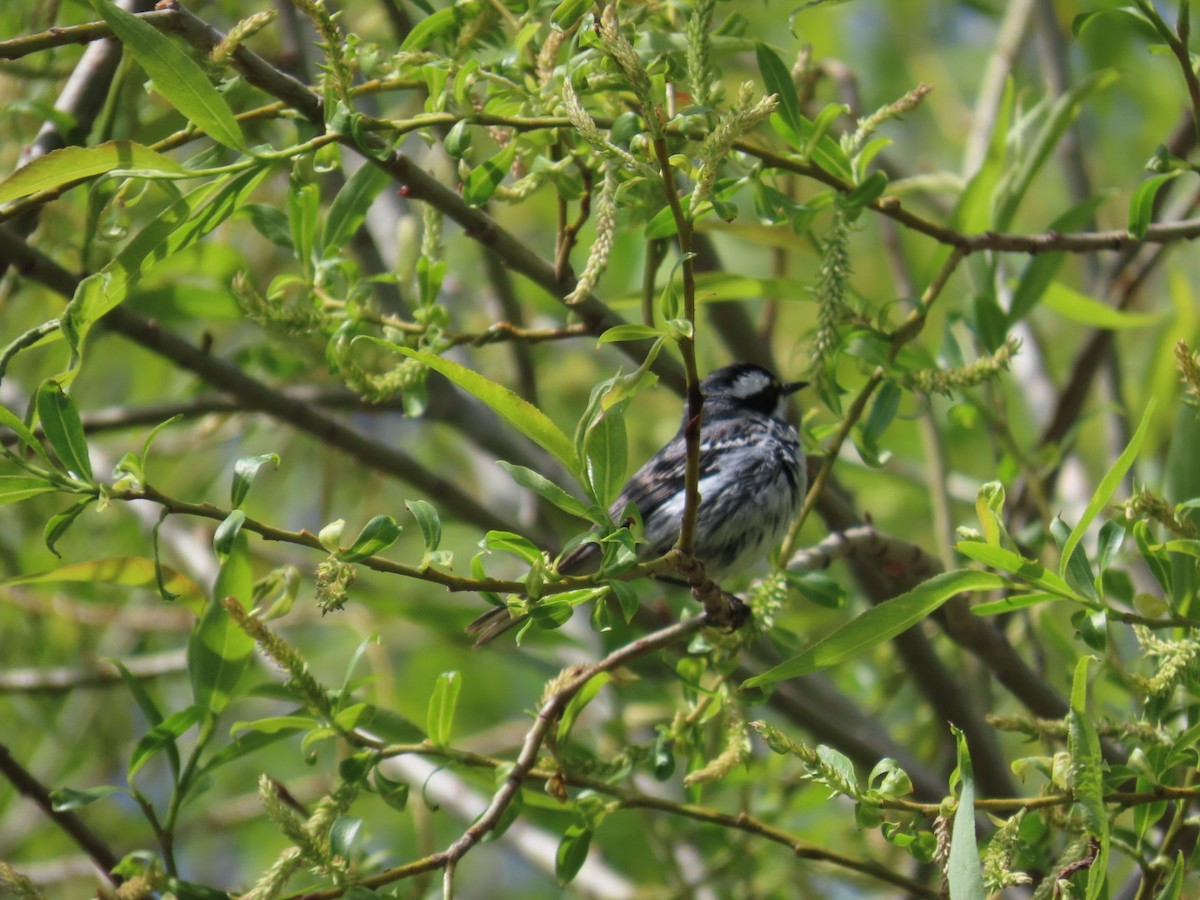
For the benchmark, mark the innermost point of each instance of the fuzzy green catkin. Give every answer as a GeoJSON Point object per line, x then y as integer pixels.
{"type": "Point", "coordinates": [736, 751]}
{"type": "Point", "coordinates": [949, 381]}
{"type": "Point", "coordinates": [606, 230]}
{"type": "Point", "coordinates": [626, 57]}
{"type": "Point", "coordinates": [1189, 368]}
{"type": "Point", "coordinates": [742, 119]}
{"type": "Point", "coordinates": [282, 654]}
{"type": "Point", "coordinates": [586, 127]}
{"type": "Point", "coordinates": [870, 124]}
{"type": "Point", "coordinates": [238, 34]}
{"type": "Point", "coordinates": [997, 856]}
{"type": "Point", "coordinates": [830, 290]}
{"type": "Point", "coordinates": [701, 74]}
{"type": "Point", "coordinates": [1173, 661]}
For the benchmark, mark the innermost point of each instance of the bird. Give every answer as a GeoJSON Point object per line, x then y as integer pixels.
{"type": "Point", "coordinates": [752, 484]}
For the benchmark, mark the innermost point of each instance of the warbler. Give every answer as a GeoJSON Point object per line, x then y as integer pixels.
{"type": "Point", "coordinates": [752, 483]}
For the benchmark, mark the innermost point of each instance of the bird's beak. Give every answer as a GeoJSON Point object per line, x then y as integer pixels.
{"type": "Point", "coordinates": [794, 386]}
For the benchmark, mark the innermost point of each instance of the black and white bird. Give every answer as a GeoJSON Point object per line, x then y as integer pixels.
{"type": "Point", "coordinates": [752, 483]}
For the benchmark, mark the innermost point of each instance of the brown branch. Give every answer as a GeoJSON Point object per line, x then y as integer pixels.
{"type": "Point", "coordinates": [568, 685]}
{"type": "Point", "coordinates": [26, 784]}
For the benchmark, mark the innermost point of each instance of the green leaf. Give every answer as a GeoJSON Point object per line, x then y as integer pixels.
{"type": "Point", "coordinates": [182, 223]}
{"type": "Point", "coordinates": [1108, 485]}
{"type": "Point", "coordinates": [568, 12]}
{"type": "Point", "coordinates": [64, 799]}
{"type": "Point", "coordinates": [377, 535]}
{"type": "Point", "coordinates": [227, 532]}
{"type": "Point", "coordinates": [628, 332]}
{"type": "Point", "coordinates": [428, 521]}
{"type": "Point", "coordinates": [546, 489]}
{"type": "Point", "coordinates": [137, 689]}
{"type": "Point", "coordinates": [69, 165]}
{"type": "Point", "coordinates": [219, 653]}
{"type": "Point", "coordinates": [343, 835]}
{"type": "Point", "coordinates": [1079, 307]}
{"type": "Point", "coordinates": [518, 412]}
{"type": "Point", "coordinates": [444, 21]}
{"type": "Point", "coordinates": [59, 523]}
{"type": "Point", "coordinates": [605, 448]}
{"type": "Point", "coordinates": [1087, 764]}
{"type": "Point", "coordinates": [439, 720]}
{"type": "Point", "coordinates": [304, 207]}
{"type": "Point", "coordinates": [964, 870]}
{"type": "Point", "coordinates": [572, 853]}
{"type": "Point", "coordinates": [1141, 204]}
{"type": "Point", "coordinates": [126, 571]}
{"type": "Point", "coordinates": [483, 180]}
{"type": "Point", "coordinates": [878, 624]}
{"type": "Point", "coordinates": [162, 736]}
{"type": "Point", "coordinates": [244, 472]}
{"type": "Point", "coordinates": [11, 421]}
{"type": "Point", "coordinates": [582, 698]}
{"type": "Point", "coordinates": [1042, 268]}
{"type": "Point", "coordinates": [273, 725]}
{"type": "Point", "coordinates": [64, 429]}
{"type": "Point", "coordinates": [15, 488]}
{"type": "Point", "coordinates": [778, 80]}
{"type": "Point", "coordinates": [349, 207]}
{"type": "Point", "coordinates": [175, 75]}
{"type": "Point", "coordinates": [1026, 570]}
{"type": "Point", "coordinates": [393, 793]}
{"type": "Point", "coordinates": [1064, 111]}
{"type": "Point", "coordinates": [508, 542]}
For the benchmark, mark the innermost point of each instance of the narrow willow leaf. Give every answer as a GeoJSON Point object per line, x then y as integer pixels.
{"type": "Point", "coordinates": [428, 521]}
{"type": "Point", "coordinates": [628, 332]}
{"type": "Point", "coordinates": [1019, 567]}
{"type": "Point", "coordinates": [568, 12]}
{"type": "Point", "coordinates": [126, 571]}
{"type": "Point", "coordinates": [1079, 307]}
{"type": "Point", "coordinates": [510, 542]}
{"type": "Point", "coordinates": [161, 736]}
{"type": "Point", "coordinates": [154, 716]}
{"type": "Point", "coordinates": [1087, 764]}
{"type": "Point", "coordinates": [582, 698]}
{"type": "Point", "coordinates": [443, 703]}
{"type": "Point", "coordinates": [964, 869]}
{"type": "Point", "coordinates": [1042, 268]}
{"type": "Point", "coordinates": [442, 22]}
{"type": "Point", "coordinates": [1108, 485]}
{"type": "Point", "coordinates": [546, 489]}
{"type": "Point", "coordinates": [606, 455]}
{"type": "Point", "coordinates": [68, 165]}
{"type": "Point", "coordinates": [11, 421]}
{"type": "Point", "coordinates": [175, 75]}
{"type": "Point", "coordinates": [64, 429]}
{"type": "Point", "coordinates": [1141, 204]}
{"type": "Point", "coordinates": [572, 853]}
{"type": "Point", "coordinates": [227, 532]}
{"type": "Point", "coordinates": [520, 413]}
{"type": "Point", "coordinates": [377, 535]}
{"type": "Point", "coordinates": [219, 653]}
{"type": "Point", "coordinates": [483, 180]}
{"type": "Point", "coordinates": [15, 488]}
{"type": "Point", "coordinates": [349, 207]}
{"type": "Point", "coordinates": [59, 523]}
{"type": "Point", "coordinates": [879, 623]}
{"type": "Point", "coordinates": [244, 472]}
{"type": "Point", "coordinates": [64, 799]}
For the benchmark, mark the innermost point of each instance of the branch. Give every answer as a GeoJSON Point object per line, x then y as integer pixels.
{"type": "Point", "coordinates": [101, 673]}
{"type": "Point", "coordinates": [102, 855]}
{"type": "Point", "coordinates": [568, 685]}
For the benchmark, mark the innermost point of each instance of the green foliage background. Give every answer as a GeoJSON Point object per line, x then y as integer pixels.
{"type": "Point", "coordinates": [995, 311]}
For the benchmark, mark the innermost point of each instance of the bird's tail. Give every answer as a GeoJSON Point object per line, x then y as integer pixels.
{"type": "Point", "coordinates": [492, 624]}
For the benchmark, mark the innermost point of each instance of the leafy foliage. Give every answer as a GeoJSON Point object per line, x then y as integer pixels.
{"type": "Point", "coordinates": [231, 269]}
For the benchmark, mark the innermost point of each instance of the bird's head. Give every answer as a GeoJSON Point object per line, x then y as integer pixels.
{"type": "Point", "coordinates": [750, 387]}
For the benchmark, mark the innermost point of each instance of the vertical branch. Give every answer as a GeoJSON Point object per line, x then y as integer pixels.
{"type": "Point", "coordinates": [687, 348]}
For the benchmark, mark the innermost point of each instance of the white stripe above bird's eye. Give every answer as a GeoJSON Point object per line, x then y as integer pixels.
{"type": "Point", "coordinates": [747, 384]}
